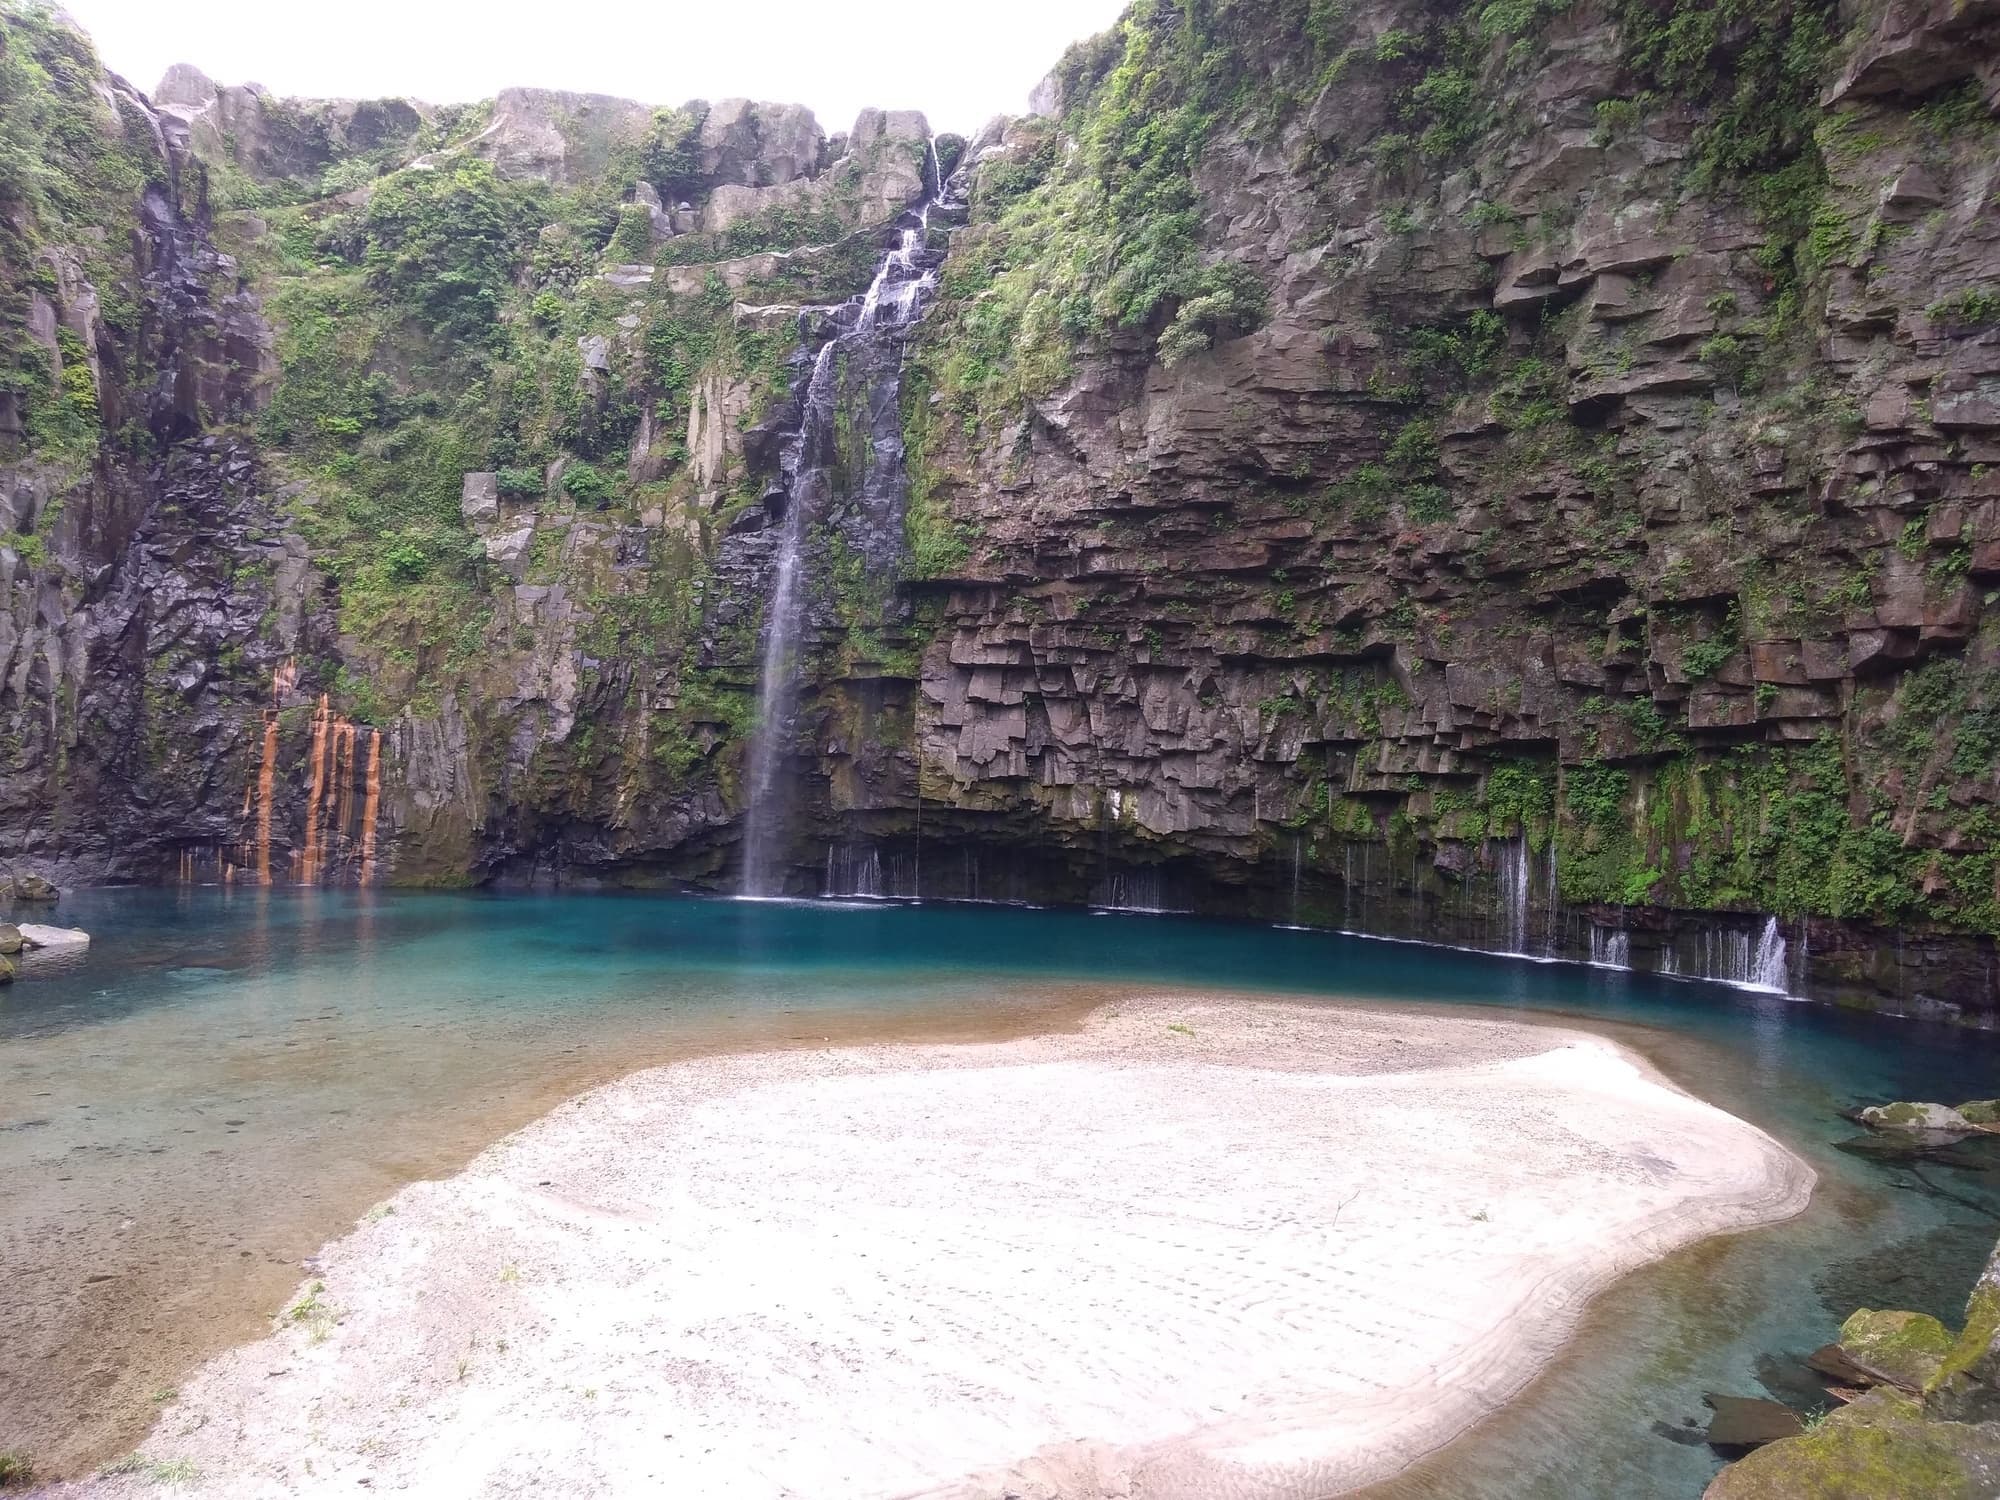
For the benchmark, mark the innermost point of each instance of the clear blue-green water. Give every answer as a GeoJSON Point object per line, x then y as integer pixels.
{"type": "Point", "coordinates": [231, 1077]}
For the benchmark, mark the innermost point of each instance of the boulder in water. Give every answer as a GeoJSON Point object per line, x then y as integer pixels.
{"type": "Point", "coordinates": [10, 938]}
{"type": "Point", "coordinates": [33, 888]}
{"type": "Point", "coordinates": [1967, 1384]}
{"type": "Point", "coordinates": [36, 936]}
{"type": "Point", "coordinates": [1877, 1447]}
{"type": "Point", "coordinates": [1984, 1112]}
{"type": "Point", "coordinates": [1896, 1348]}
{"type": "Point", "coordinates": [1938, 1119]}
{"type": "Point", "coordinates": [1938, 1436]}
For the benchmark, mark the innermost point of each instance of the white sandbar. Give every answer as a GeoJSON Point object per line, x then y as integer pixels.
{"type": "Point", "coordinates": [1202, 1248]}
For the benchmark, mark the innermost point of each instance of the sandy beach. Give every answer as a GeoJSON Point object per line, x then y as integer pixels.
{"type": "Point", "coordinates": [1198, 1248]}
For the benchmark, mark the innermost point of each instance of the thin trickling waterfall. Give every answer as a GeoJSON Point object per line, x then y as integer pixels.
{"type": "Point", "coordinates": [1131, 890]}
{"type": "Point", "coordinates": [869, 334]}
{"type": "Point", "coordinates": [1298, 862]}
{"type": "Point", "coordinates": [1515, 880]}
{"type": "Point", "coordinates": [1732, 955]}
{"type": "Point", "coordinates": [864, 872]}
{"type": "Point", "coordinates": [1610, 948]}
{"type": "Point", "coordinates": [1551, 907]}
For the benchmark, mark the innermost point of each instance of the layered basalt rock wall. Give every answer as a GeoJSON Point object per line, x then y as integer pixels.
{"type": "Point", "coordinates": [1517, 474]}
{"type": "Point", "coordinates": [1577, 489]}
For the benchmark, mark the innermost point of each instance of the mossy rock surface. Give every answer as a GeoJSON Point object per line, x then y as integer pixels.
{"type": "Point", "coordinates": [1981, 1111]}
{"type": "Point", "coordinates": [1967, 1381]}
{"type": "Point", "coordinates": [1879, 1448]}
{"type": "Point", "coordinates": [1907, 1116]}
{"type": "Point", "coordinates": [1903, 1348]}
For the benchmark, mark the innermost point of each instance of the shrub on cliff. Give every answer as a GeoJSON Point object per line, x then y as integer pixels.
{"type": "Point", "coordinates": [445, 245]}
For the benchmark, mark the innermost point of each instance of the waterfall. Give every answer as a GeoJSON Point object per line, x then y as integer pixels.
{"type": "Point", "coordinates": [1298, 858]}
{"type": "Point", "coordinates": [1131, 890]}
{"type": "Point", "coordinates": [1767, 970]}
{"type": "Point", "coordinates": [803, 470]}
{"type": "Point", "coordinates": [854, 873]}
{"type": "Point", "coordinates": [1515, 881]}
{"type": "Point", "coordinates": [1551, 913]}
{"type": "Point", "coordinates": [869, 333]}
{"type": "Point", "coordinates": [1610, 948]}
{"type": "Point", "coordinates": [1732, 955]}
{"type": "Point", "coordinates": [1347, 887]}
{"type": "Point", "coordinates": [862, 872]}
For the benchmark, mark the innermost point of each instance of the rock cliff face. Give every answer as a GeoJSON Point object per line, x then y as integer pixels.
{"type": "Point", "coordinates": [1595, 529]}
{"type": "Point", "coordinates": [1513, 473]}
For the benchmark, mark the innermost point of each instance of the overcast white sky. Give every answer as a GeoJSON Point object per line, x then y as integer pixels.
{"type": "Point", "coordinates": [959, 63]}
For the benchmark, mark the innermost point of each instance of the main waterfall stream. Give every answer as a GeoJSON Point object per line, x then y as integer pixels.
{"type": "Point", "coordinates": [869, 330]}
{"type": "Point", "coordinates": [234, 1076]}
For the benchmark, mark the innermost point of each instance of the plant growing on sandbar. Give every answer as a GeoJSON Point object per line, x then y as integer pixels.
{"type": "Point", "coordinates": [314, 1313]}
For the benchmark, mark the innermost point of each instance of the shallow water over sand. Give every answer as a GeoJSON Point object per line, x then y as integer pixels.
{"type": "Point", "coordinates": [232, 1077]}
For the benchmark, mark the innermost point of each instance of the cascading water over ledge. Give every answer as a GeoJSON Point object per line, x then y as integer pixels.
{"type": "Point", "coordinates": [866, 348]}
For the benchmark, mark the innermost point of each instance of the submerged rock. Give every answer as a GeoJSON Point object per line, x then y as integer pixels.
{"type": "Point", "coordinates": [1749, 1422]}
{"type": "Point", "coordinates": [1945, 1148]}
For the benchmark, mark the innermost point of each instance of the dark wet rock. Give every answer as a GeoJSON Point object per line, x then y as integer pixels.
{"type": "Point", "coordinates": [1945, 1148]}
{"type": "Point", "coordinates": [1741, 1422]}
{"type": "Point", "coordinates": [1833, 1362]}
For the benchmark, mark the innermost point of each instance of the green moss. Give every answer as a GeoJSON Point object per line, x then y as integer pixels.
{"type": "Point", "coordinates": [1903, 1347]}
{"type": "Point", "coordinates": [1070, 246]}
{"type": "Point", "coordinates": [1976, 1352]}
{"type": "Point", "coordinates": [1878, 1446]}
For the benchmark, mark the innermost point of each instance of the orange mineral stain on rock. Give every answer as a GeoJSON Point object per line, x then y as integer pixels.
{"type": "Point", "coordinates": [333, 767]}
{"type": "Point", "coordinates": [266, 775]}
{"type": "Point", "coordinates": [309, 860]}
{"type": "Point", "coordinates": [371, 804]}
